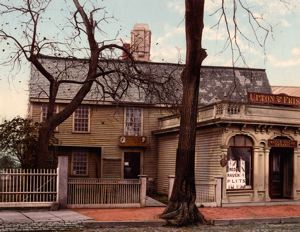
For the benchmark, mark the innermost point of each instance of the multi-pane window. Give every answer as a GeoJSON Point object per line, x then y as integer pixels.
{"type": "Point", "coordinates": [44, 111]}
{"type": "Point", "coordinates": [79, 163]}
{"type": "Point", "coordinates": [239, 166]}
{"type": "Point", "coordinates": [133, 121]}
{"type": "Point", "coordinates": [81, 119]}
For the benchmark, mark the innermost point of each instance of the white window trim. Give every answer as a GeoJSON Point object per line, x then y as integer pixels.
{"type": "Point", "coordinates": [142, 120]}
{"type": "Point", "coordinates": [87, 164]}
{"type": "Point", "coordinates": [89, 123]}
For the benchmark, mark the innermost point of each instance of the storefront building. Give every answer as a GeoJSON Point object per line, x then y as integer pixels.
{"type": "Point", "coordinates": [252, 146]}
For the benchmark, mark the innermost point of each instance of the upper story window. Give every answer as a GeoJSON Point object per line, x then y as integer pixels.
{"type": "Point", "coordinates": [80, 163]}
{"type": "Point", "coordinates": [81, 119]}
{"type": "Point", "coordinates": [133, 121]}
{"type": "Point", "coordinates": [44, 112]}
{"type": "Point", "coordinates": [240, 163]}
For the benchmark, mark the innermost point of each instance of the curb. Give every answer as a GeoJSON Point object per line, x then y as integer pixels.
{"type": "Point", "coordinates": [238, 221]}
{"type": "Point", "coordinates": [113, 224]}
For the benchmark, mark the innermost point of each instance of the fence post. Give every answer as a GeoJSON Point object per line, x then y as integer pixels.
{"type": "Point", "coordinates": [171, 184]}
{"type": "Point", "coordinates": [62, 181]}
{"type": "Point", "coordinates": [143, 180]}
{"type": "Point", "coordinates": [219, 190]}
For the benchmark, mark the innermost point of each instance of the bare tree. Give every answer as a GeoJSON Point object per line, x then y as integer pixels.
{"type": "Point", "coordinates": [181, 209]}
{"type": "Point", "coordinates": [100, 72]}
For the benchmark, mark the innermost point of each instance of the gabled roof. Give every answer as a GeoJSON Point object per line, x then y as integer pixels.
{"type": "Point", "coordinates": [288, 90]}
{"type": "Point", "coordinates": [217, 83]}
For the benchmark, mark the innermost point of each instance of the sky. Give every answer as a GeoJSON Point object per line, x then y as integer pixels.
{"type": "Point", "coordinates": [280, 57]}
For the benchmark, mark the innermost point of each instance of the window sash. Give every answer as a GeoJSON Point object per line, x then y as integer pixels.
{"type": "Point", "coordinates": [81, 119]}
{"type": "Point", "coordinates": [80, 163]}
{"type": "Point", "coordinates": [133, 122]}
{"type": "Point", "coordinates": [44, 112]}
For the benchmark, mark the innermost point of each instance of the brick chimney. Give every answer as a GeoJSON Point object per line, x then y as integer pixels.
{"type": "Point", "coordinates": [141, 42]}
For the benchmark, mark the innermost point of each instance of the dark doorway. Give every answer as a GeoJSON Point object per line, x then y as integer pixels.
{"type": "Point", "coordinates": [132, 165]}
{"type": "Point", "coordinates": [281, 172]}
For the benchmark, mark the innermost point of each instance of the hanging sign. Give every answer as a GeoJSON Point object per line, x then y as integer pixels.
{"type": "Point", "coordinates": [275, 99]}
{"type": "Point", "coordinates": [282, 143]}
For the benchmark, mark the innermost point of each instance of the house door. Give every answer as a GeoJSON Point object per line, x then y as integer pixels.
{"type": "Point", "coordinates": [132, 165]}
{"type": "Point", "coordinates": [281, 172]}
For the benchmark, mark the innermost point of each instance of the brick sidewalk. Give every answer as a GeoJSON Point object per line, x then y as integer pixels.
{"type": "Point", "coordinates": [125, 214]}
{"type": "Point", "coordinates": [210, 214]}
{"type": "Point", "coordinates": [252, 212]}
{"type": "Point", "coordinates": [80, 219]}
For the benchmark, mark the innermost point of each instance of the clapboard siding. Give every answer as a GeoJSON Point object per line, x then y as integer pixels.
{"type": "Point", "coordinates": [207, 165]}
{"type": "Point", "coordinates": [112, 168]}
{"type": "Point", "coordinates": [167, 146]}
{"type": "Point", "coordinates": [94, 168]}
{"type": "Point", "coordinates": [206, 158]}
{"type": "Point", "coordinates": [150, 116]}
{"type": "Point", "coordinates": [106, 126]}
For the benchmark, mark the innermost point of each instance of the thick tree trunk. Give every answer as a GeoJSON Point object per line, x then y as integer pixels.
{"type": "Point", "coordinates": [42, 151]}
{"type": "Point", "coordinates": [181, 209]}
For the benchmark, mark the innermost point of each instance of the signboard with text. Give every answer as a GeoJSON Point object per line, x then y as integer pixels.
{"type": "Point", "coordinates": [282, 143]}
{"type": "Point", "coordinates": [275, 99]}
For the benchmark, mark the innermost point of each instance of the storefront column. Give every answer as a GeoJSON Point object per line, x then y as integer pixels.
{"type": "Point", "coordinates": [224, 150]}
{"type": "Point", "coordinates": [267, 155]}
{"type": "Point", "coordinates": [295, 175]}
{"type": "Point", "coordinates": [256, 175]}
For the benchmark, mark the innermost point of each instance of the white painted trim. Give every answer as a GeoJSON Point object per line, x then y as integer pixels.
{"type": "Point", "coordinates": [87, 163]}
{"type": "Point", "coordinates": [141, 119]}
{"type": "Point", "coordinates": [89, 122]}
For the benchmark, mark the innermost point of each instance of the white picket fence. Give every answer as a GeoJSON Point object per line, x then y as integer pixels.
{"type": "Point", "coordinates": [28, 187]}
{"type": "Point", "coordinates": [205, 194]}
{"type": "Point", "coordinates": [99, 193]}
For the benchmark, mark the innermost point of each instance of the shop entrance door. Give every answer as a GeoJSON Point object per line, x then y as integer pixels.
{"type": "Point", "coordinates": [281, 172]}
{"type": "Point", "coordinates": [131, 165]}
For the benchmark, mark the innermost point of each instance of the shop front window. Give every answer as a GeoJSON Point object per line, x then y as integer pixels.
{"type": "Point", "coordinates": [240, 163]}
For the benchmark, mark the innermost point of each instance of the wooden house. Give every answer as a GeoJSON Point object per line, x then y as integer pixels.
{"type": "Point", "coordinates": [246, 136]}
{"type": "Point", "coordinates": [105, 139]}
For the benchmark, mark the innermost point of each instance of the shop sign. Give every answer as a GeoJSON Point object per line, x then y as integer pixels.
{"type": "Point", "coordinates": [275, 99]}
{"type": "Point", "coordinates": [282, 143]}
{"type": "Point", "coordinates": [236, 177]}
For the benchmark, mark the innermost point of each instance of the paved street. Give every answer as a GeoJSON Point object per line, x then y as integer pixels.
{"type": "Point", "coordinates": [235, 228]}
{"type": "Point", "coordinates": [79, 228]}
